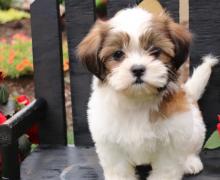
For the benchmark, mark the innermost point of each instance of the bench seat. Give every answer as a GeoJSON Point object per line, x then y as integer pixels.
{"type": "Point", "coordinates": [75, 163]}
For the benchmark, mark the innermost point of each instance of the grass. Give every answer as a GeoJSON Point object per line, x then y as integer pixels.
{"type": "Point", "coordinates": [16, 56]}
{"type": "Point", "coordinates": [70, 138]}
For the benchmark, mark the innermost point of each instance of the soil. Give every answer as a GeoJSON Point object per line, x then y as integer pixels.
{"type": "Point", "coordinates": [25, 85]}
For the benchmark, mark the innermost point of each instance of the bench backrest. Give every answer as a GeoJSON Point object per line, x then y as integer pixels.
{"type": "Point", "coordinates": [80, 15]}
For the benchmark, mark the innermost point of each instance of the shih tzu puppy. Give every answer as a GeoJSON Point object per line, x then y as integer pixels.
{"type": "Point", "coordinates": [138, 113]}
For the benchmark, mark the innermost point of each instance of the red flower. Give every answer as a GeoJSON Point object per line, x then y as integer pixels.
{"type": "Point", "coordinates": [33, 134]}
{"type": "Point", "coordinates": [218, 128]}
{"type": "Point", "coordinates": [2, 118]}
{"type": "Point", "coordinates": [22, 99]}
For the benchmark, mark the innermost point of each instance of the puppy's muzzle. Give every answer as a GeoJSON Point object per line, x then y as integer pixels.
{"type": "Point", "coordinates": [138, 71]}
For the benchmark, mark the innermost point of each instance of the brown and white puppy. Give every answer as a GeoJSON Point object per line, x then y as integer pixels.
{"type": "Point", "coordinates": [138, 113]}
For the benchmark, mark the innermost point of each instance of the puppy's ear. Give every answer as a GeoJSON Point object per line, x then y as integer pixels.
{"type": "Point", "coordinates": [89, 48]}
{"type": "Point", "coordinates": [181, 38]}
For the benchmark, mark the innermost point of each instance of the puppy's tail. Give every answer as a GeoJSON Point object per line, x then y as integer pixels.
{"type": "Point", "coordinates": [195, 86]}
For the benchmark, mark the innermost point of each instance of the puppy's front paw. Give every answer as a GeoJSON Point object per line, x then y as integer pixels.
{"type": "Point", "coordinates": [193, 165]}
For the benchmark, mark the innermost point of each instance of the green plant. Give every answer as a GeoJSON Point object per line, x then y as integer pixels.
{"type": "Point", "coordinates": [16, 56]}
{"type": "Point", "coordinates": [12, 15]}
{"type": "Point", "coordinates": [70, 138]}
{"type": "Point", "coordinates": [213, 141]}
{"type": "Point", "coordinates": [61, 1]}
{"type": "Point", "coordinates": [5, 4]}
{"type": "Point", "coordinates": [4, 95]}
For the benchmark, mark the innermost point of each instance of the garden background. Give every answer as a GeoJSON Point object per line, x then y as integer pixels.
{"type": "Point", "coordinates": [16, 62]}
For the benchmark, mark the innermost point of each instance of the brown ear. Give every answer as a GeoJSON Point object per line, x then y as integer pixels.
{"type": "Point", "coordinates": [89, 48]}
{"type": "Point", "coordinates": [181, 38]}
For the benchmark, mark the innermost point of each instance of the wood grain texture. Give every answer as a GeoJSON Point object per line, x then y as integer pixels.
{"type": "Point", "coordinates": [62, 163]}
{"type": "Point", "coordinates": [72, 163]}
{"type": "Point", "coordinates": [115, 5]}
{"type": "Point", "coordinates": [11, 166]}
{"type": "Point", "coordinates": [172, 6]}
{"type": "Point", "coordinates": [205, 25]}
{"type": "Point", "coordinates": [79, 19]}
{"type": "Point", "coordinates": [48, 69]}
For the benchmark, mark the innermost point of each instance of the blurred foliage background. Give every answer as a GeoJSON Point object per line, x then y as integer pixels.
{"type": "Point", "coordinates": [5, 4]}
{"type": "Point", "coordinates": [15, 39]}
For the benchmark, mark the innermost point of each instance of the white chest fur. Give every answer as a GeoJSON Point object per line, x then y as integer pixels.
{"type": "Point", "coordinates": [127, 126]}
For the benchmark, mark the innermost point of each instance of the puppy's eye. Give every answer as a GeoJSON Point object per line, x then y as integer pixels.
{"type": "Point", "coordinates": [117, 55]}
{"type": "Point", "coordinates": [155, 51]}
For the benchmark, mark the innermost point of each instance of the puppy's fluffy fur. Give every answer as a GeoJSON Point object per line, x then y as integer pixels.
{"type": "Point", "coordinates": [137, 112]}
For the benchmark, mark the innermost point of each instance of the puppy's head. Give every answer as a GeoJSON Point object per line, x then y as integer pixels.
{"type": "Point", "coordinates": [135, 51]}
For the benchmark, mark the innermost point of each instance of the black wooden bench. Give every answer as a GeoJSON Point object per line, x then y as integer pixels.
{"type": "Point", "coordinates": [53, 159]}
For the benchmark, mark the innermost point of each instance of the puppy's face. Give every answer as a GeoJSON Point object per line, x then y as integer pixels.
{"type": "Point", "coordinates": [135, 52]}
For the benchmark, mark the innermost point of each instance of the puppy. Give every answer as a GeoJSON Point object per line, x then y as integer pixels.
{"type": "Point", "coordinates": [138, 113]}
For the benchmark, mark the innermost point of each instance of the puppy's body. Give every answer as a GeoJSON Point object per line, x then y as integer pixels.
{"type": "Point", "coordinates": [137, 112]}
{"type": "Point", "coordinates": [126, 135]}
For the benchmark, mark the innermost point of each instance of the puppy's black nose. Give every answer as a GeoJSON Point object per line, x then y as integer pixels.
{"type": "Point", "coordinates": [138, 70]}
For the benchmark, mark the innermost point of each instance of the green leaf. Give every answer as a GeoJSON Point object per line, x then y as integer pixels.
{"type": "Point", "coordinates": [33, 147]}
{"type": "Point", "coordinates": [213, 142]}
{"type": "Point", "coordinates": [4, 95]}
{"type": "Point", "coordinates": [24, 145]}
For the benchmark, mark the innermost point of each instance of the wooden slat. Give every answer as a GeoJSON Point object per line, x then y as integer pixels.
{"type": "Point", "coordinates": [115, 5]}
{"type": "Point", "coordinates": [184, 19]}
{"type": "Point", "coordinates": [205, 25]}
{"type": "Point", "coordinates": [79, 18]}
{"type": "Point", "coordinates": [184, 12]}
{"type": "Point", "coordinates": [172, 6]}
{"type": "Point", "coordinates": [48, 71]}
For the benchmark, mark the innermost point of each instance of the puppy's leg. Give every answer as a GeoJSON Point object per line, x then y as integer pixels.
{"type": "Point", "coordinates": [115, 163]}
{"type": "Point", "coordinates": [193, 165]}
{"type": "Point", "coordinates": [166, 167]}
